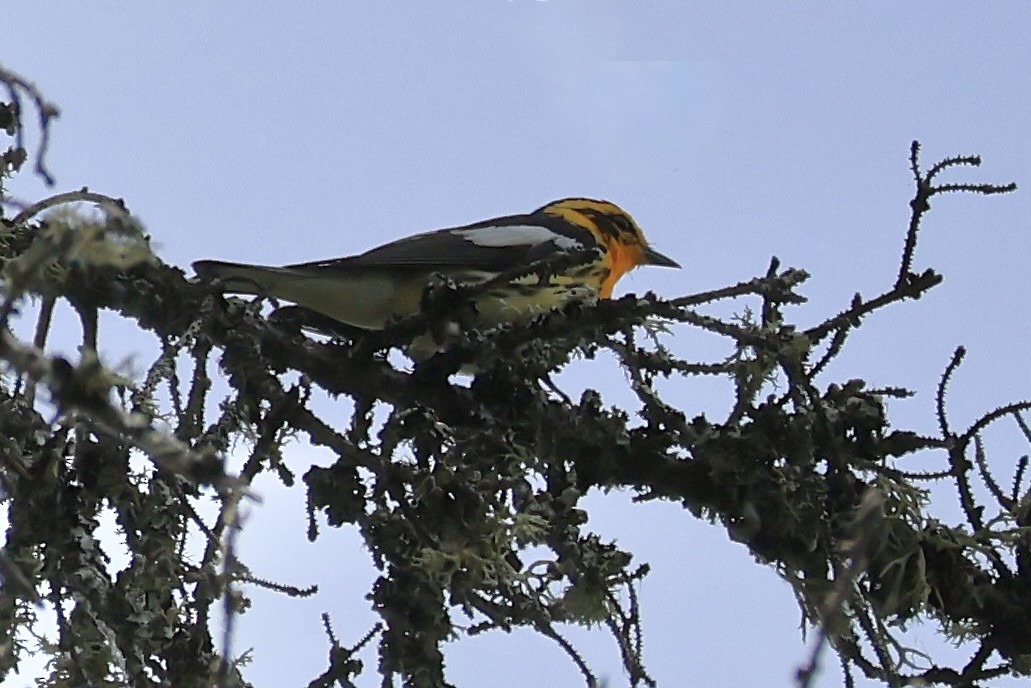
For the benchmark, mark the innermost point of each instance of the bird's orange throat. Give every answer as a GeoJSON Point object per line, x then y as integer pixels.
{"type": "Point", "coordinates": [622, 259]}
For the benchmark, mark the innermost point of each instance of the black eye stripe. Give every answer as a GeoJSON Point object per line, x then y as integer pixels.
{"type": "Point", "coordinates": [614, 226]}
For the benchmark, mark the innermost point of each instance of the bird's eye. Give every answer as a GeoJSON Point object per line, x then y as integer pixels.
{"type": "Point", "coordinates": [623, 223]}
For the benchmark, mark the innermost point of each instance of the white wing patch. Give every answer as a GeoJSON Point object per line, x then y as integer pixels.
{"type": "Point", "coordinates": [515, 235]}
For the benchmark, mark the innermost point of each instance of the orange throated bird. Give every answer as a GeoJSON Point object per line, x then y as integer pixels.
{"type": "Point", "coordinates": [368, 290]}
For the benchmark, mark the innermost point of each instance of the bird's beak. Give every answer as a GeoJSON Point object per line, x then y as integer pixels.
{"type": "Point", "coordinates": [653, 257]}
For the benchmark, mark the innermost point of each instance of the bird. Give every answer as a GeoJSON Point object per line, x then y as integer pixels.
{"type": "Point", "coordinates": [370, 290]}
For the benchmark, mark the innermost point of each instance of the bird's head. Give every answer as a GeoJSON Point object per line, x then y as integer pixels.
{"type": "Point", "coordinates": [616, 232]}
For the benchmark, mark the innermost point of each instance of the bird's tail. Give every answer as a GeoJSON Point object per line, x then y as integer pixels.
{"type": "Point", "coordinates": [239, 277]}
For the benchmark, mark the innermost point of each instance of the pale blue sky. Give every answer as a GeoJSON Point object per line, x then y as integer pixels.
{"type": "Point", "coordinates": [279, 132]}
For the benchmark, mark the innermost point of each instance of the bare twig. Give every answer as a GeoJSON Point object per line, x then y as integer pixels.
{"type": "Point", "coordinates": [114, 205]}
{"type": "Point", "coordinates": [46, 110]}
{"type": "Point", "coordinates": [926, 189]}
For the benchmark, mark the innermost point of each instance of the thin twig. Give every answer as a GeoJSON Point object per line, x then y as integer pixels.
{"type": "Point", "coordinates": [47, 111]}
{"type": "Point", "coordinates": [83, 195]}
{"type": "Point", "coordinates": [943, 386]}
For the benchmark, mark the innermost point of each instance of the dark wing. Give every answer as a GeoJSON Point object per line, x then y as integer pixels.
{"type": "Point", "coordinates": [493, 245]}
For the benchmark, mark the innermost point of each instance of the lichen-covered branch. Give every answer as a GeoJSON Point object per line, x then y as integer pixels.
{"type": "Point", "coordinates": [468, 496]}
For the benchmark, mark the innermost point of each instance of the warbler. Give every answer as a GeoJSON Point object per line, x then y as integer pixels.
{"type": "Point", "coordinates": [369, 290]}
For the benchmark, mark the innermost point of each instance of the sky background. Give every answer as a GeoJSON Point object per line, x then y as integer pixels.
{"type": "Point", "coordinates": [279, 132]}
